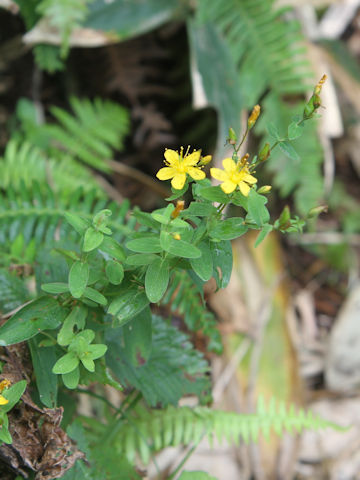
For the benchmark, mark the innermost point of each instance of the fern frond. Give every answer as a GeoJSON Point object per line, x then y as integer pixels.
{"type": "Point", "coordinates": [37, 213]}
{"type": "Point", "coordinates": [156, 429]}
{"type": "Point", "coordinates": [24, 164]}
{"type": "Point", "coordinates": [186, 300]}
{"type": "Point", "coordinates": [64, 16]}
{"type": "Point", "coordinates": [92, 132]}
{"type": "Point", "coordinates": [48, 58]}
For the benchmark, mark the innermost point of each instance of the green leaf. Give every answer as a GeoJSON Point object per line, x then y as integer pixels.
{"type": "Point", "coordinates": [125, 19]}
{"type": "Point", "coordinates": [273, 131]}
{"type": "Point", "coordinates": [78, 223]}
{"type": "Point", "coordinates": [76, 317]}
{"type": "Point", "coordinates": [179, 248]}
{"type": "Point", "coordinates": [141, 259]}
{"type": "Point", "coordinates": [78, 278]}
{"type": "Point", "coordinates": [266, 229]}
{"type": "Point", "coordinates": [92, 239]}
{"type": "Point", "coordinates": [203, 266]}
{"type": "Point", "coordinates": [256, 208]}
{"type": "Point", "coordinates": [97, 350]}
{"type": "Point", "coordinates": [228, 229]}
{"type": "Point", "coordinates": [156, 280]}
{"type": "Point", "coordinates": [95, 296]}
{"type": "Point", "coordinates": [210, 53]}
{"type": "Point", "coordinates": [44, 313]}
{"type": "Point", "coordinates": [113, 248]}
{"type": "Point", "coordinates": [197, 209]}
{"type": "Point", "coordinates": [196, 476]}
{"type": "Point", "coordinates": [128, 305]}
{"type": "Point", "coordinates": [295, 130]}
{"type": "Point", "coordinates": [55, 287]}
{"type": "Point", "coordinates": [88, 363]}
{"type": "Point", "coordinates": [138, 338]}
{"type": "Point", "coordinates": [145, 219]}
{"type": "Point", "coordinates": [66, 364]}
{"type": "Point", "coordinates": [17, 246]}
{"type": "Point", "coordinates": [214, 194]}
{"type": "Point", "coordinates": [223, 261]}
{"type": "Point", "coordinates": [13, 394]}
{"type": "Point", "coordinates": [114, 272]}
{"type": "Point", "coordinates": [5, 436]}
{"type": "Point", "coordinates": [289, 150]}
{"type": "Point", "coordinates": [145, 244]}
{"type": "Point", "coordinates": [47, 383]}
{"type": "Point", "coordinates": [71, 379]}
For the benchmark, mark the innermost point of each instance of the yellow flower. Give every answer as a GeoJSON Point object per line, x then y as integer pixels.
{"type": "Point", "coordinates": [179, 165]}
{"type": "Point", "coordinates": [234, 175]}
{"type": "Point", "coordinates": [4, 384]}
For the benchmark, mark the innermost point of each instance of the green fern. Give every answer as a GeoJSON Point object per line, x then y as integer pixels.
{"type": "Point", "coordinates": [270, 55]}
{"type": "Point", "coordinates": [156, 429]}
{"type": "Point", "coordinates": [64, 16]}
{"type": "Point", "coordinates": [92, 133]}
{"type": "Point", "coordinates": [187, 300]}
{"type": "Point", "coordinates": [48, 58]}
{"type": "Point", "coordinates": [24, 164]}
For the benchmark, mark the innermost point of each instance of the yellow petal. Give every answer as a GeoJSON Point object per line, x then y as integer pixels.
{"type": "Point", "coordinates": [178, 181]}
{"type": "Point", "coordinates": [229, 165]}
{"type": "Point", "coordinates": [166, 173]}
{"type": "Point", "coordinates": [249, 178]}
{"type": "Point", "coordinates": [171, 157]}
{"type": "Point", "coordinates": [196, 173]}
{"type": "Point", "coordinates": [219, 174]}
{"type": "Point", "coordinates": [3, 400]}
{"type": "Point", "coordinates": [192, 159]}
{"type": "Point", "coordinates": [228, 186]}
{"type": "Point", "coordinates": [244, 188]}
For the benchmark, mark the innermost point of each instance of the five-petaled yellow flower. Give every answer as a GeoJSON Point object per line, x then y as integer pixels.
{"type": "Point", "coordinates": [4, 384]}
{"type": "Point", "coordinates": [179, 165]}
{"type": "Point", "coordinates": [234, 175]}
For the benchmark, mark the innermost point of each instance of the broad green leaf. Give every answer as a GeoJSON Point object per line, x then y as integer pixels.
{"type": "Point", "coordinates": [113, 248]}
{"type": "Point", "coordinates": [145, 219]}
{"type": "Point", "coordinates": [199, 210]}
{"type": "Point", "coordinates": [78, 278]}
{"type": "Point", "coordinates": [214, 194]}
{"type": "Point", "coordinates": [124, 19]}
{"type": "Point", "coordinates": [97, 350]}
{"type": "Point", "coordinates": [55, 288]}
{"type": "Point", "coordinates": [13, 394]}
{"type": "Point", "coordinates": [289, 150]}
{"type": "Point", "coordinates": [43, 358]}
{"type": "Point", "coordinates": [156, 280]}
{"type": "Point", "coordinates": [257, 209]}
{"type": "Point", "coordinates": [145, 244]}
{"type": "Point", "coordinates": [141, 259]}
{"type": "Point", "coordinates": [92, 239]}
{"type": "Point", "coordinates": [114, 272]}
{"type": "Point", "coordinates": [76, 317]}
{"type": "Point", "coordinates": [228, 229]}
{"type": "Point", "coordinates": [95, 296]}
{"type": "Point", "coordinates": [67, 363]}
{"type": "Point", "coordinates": [71, 379]}
{"type": "Point", "coordinates": [78, 223]}
{"type": "Point", "coordinates": [88, 363]}
{"type": "Point", "coordinates": [196, 476]}
{"type": "Point", "coordinates": [295, 130]}
{"type": "Point", "coordinates": [210, 53]}
{"type": "Point", "coordinates": [128, 305]}
{"type": "Point", "coordinates": [223, 260]}
{"type": "Point", "coordinates": [5, 436]}
{"type": "Point", "coordinates": [203, 266]}
{"type": "Point", "coordinates": [273, 131]}
{"type": "Point", "coordinates": [180, 248]}
{"type": "Point", "coordinates": [44, 313]}
{"type": "Point", "coordinates": [266, 229]}
{"type": "Point", "coordinates": [138, 338]}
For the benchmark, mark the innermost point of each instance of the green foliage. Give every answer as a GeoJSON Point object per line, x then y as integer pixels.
{"type": "Point", "coordinates": [8, 400]}
{"type": "Point", "coordinates": [153, 430]}
{"type": "Point", "coordinates": [172, 369]}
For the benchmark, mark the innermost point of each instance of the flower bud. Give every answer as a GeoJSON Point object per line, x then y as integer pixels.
{"type": "Point", "coordinates": [316, 211]}
{"type": "Point", "coordinates": [179, 208]}
{"type": "Point", "coordinates": [264, 153]}
{"type": "Point", "coordinates": [284, 218]}
{"type": "Point", "coordinates": [264, 189]}
{"type": "Point", "coordinates": [176, 236]}
{"type": "Point", "coordinates": [253, 117]}
{"type": "Point", "coordinates": [204, 160]}
{"type": "Point", "coordinates": [232, 138]}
